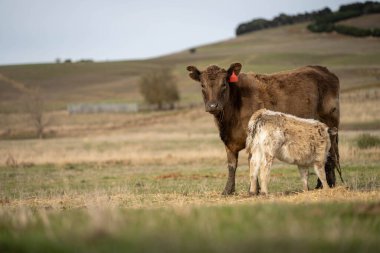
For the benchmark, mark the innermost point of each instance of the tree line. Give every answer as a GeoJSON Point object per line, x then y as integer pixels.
{"type": "Point", "coordinates": [280, 20]}
{"type": "Point", "coordinates": [323, 20]}
{"type": "Point", "coordinates": [328, 23]}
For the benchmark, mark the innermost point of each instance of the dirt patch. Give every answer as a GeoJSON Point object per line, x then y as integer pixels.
{"type": "Point", "coordinates": [170, 176]}
{"type": "Point", "coordinates": [194, 176]}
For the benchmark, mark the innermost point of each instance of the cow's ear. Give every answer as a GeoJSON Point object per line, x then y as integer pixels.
{"type": "Point", "coordinates": [195, 73]}
{"type": "Point", "coordinates": [235, 67]}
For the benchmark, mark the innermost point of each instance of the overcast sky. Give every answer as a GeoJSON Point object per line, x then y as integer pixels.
{"type": "Point", "coordinates": [43, 30]}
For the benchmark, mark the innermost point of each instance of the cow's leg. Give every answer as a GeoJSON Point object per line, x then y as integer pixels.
{"type": "Point", "coordinates": [330, 171]}
{"type": "Point", "coordinates": [266, 165]}
{"type": "Point", "coordinates": [254, 161]}
{"type": "Point", "coordinates": [232, 160]}
{"type": "Point", "coordinates": [332, 160]}
{"type": "Point", "coordinates": [319, 170]}
{"type": "Point", "coordinates": [304, 173]}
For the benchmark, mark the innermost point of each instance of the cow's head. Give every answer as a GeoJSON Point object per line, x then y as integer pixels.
{"type": "Point", "coordinates": [215, 85]}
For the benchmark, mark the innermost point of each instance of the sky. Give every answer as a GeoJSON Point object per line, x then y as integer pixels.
{"type": "Point", "coordinates": [34, 31]}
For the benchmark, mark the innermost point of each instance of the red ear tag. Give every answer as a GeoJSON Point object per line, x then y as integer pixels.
{"type": "Point", "coordinates": [233, 78]}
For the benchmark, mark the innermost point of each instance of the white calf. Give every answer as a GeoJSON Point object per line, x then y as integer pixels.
{"type": "Point", "coordinates": [304, 142]}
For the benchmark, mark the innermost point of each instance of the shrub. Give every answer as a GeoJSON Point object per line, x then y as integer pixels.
{"type": "Point", "coordinates": [321, 27]}
{"type": "Point", "coordinates": [159, 87]}
{"type": "Point", "coordinates": [367, 7]}
{"type": "Point", "coordinates": [353, 31]}
{"type": "Point", "coordinates": [337, 16]}
{"type": "Point", "coordinates": [368, 141]}
{"type": "Point", "coordinates": [376, 32]}
{"type": "Point", "coordinates": [280, 20]}
{"type": "Point", "coordinates": [327, 22]}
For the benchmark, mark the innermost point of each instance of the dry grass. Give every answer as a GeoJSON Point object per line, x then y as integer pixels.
{"type": "Point", "coordinates": [178, 200]}
{"type": "Point", "coordinates": [166, 138]}
{"type": "Point", "coordinates": [360, 106]}
{"type": "Point", "coordinates": [138, 139]}
{"type": "Point", "coordinates": [149, 148]}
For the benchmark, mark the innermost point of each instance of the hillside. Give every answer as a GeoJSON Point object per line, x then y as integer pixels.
{"type": "Point", "coordinates": [367, 21]}
{"type": "Point", "coordinates": [355, 60]}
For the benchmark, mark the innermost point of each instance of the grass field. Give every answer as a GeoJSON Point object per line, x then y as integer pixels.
{"type": "Point", "coordinates": [151, 182]}
{"type": "Point", "coordinates": [155, 185]}
{"type": "Point", "coordinates": [160, 208]}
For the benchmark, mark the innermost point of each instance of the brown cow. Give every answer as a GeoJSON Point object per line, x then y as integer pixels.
{"type": "Point", "coordinates": [307, 92]}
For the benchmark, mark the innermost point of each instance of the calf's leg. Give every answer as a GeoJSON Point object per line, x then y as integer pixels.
{"type": "Point", "coordinates": [319, 170]}
{"type": "Point", "coordinates": [232, 160]}
{"type": "Point", "coordinates": [265, 168]}
{"type": "Point", "coordinates": [254, 166]}
{"type": "Point", "coordinates": [304, 173]}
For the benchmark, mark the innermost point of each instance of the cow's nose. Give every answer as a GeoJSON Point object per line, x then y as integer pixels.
{"type": "Point", "coordinates": [212, 107]}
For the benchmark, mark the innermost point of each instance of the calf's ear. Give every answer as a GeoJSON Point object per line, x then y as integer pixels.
{"type": "Point", "coordinates": [195, 73]}
{"type": "Point", "coordinates": [235, 67]}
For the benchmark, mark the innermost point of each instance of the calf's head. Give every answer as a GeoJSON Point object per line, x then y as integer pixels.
{"type": "Point", "coordinates": [215, 83]}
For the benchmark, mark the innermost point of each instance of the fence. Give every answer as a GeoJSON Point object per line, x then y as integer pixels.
{"type": "Point", "coordinates": [101, 108]}
{"type": "Point", "coordinates": [122, 108]}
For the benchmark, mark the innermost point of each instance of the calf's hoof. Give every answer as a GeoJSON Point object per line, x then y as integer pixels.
{"type": "Point", "coordinates": [253, 193]}
{"type": "Point", "coordinates": [319, 185]}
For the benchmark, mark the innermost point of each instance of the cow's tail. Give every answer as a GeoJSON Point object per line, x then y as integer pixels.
{"type": "Point", "coordinates": [335, 154]}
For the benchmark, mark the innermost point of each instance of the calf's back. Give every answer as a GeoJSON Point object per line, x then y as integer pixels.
{"type": "Point", "coordinates": [290, 139]}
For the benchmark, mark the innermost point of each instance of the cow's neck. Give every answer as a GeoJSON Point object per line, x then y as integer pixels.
{"type": "Point", "coordinates": [229, 119]}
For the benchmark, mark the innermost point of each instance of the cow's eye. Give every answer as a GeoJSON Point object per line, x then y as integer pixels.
{"type": "Point", "coordinates": [202, 85]}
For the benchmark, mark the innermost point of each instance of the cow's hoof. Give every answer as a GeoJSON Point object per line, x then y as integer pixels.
{"type": "Point", "coordinates": [253, 194]}
{"type": "Point", "coordinates": [229, 189]}
{"type": "Point", "coordinates": [228, 192]}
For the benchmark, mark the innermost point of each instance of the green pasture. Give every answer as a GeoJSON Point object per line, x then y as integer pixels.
{"type": "Point", "coordinates": [108, 218]}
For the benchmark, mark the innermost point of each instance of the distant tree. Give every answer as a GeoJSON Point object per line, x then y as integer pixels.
{"type": "Point", "coordinates": [33, 103]}
{"type": "Point", "coordinates": [159, 88]}
{"type": "Point", "coordinates": [86, 61]}
{"type": "Point", "coordinates": [353, 31]}
{"type": "Point", "coordinates": [280, 20]}
{"type": "Point", "coordinates": [192, 50]}
{"type": "Point", "coordinates": [376, 32]}
{"type": "Point", "coordinates": [35, 106]}
{"type": "Point", "coordinates": [328, 22]}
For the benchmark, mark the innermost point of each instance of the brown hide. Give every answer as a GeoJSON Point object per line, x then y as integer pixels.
{"type": "Point", "coordinates": [307, 92]}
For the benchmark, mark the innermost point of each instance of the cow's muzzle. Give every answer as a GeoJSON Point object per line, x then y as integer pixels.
{"type": "Point", "coordinates": [213, 107]}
